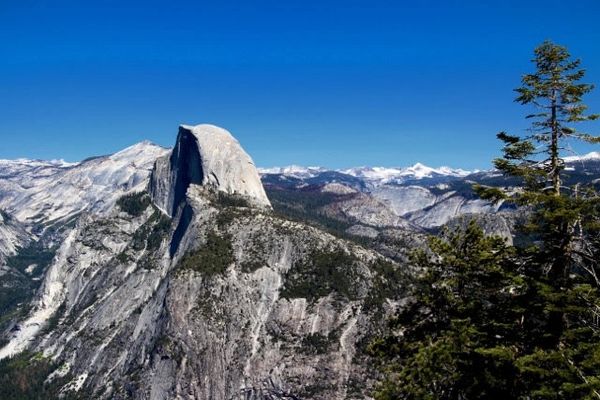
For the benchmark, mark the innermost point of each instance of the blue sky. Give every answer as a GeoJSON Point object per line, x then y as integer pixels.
{"type": "Point", "coordinates": [332, 83]}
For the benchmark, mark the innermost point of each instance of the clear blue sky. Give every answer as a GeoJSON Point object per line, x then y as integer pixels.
{"type": "Point", "coordinates": [332, 83]}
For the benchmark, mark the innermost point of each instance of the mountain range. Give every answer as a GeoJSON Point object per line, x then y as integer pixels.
{"type": "Point", "coordinates": [419, 195]}
{"type": "Point", "coordinates": [159, 273]}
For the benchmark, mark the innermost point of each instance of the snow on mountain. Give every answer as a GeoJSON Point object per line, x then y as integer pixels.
{"type": "Point", "coordinates": [373, 175]}
{"type": "Point", "coordinates": [23, 166]}
{"type": "Point", "coordinates": [593, 156]}
{"type": "Point", "coordinates": [20, 164]}
{"type": "Point", "coordinates": [36, 191]}
{"type": "Point", "coordinates": [384, 175]}
{"type": "Point", "coordinates": [294, 171]}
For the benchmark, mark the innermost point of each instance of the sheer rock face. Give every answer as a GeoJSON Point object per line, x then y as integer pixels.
{"type": "Point", "coordinates": [209, 156]}
{"type": "Point", "coordinates": [134, 323]}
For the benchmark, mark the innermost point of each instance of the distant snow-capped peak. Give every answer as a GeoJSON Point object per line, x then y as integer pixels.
{"type": "Point", "coordinates": [37, 163]}
{"type": "Point", "coordinates": [372, 174]}
{"type": "Point", "coordinates": [417, 171]}
{"type": "Point", "coordinates": [295, 171]}
{"type": "Point", "coordinates": [593, 156]}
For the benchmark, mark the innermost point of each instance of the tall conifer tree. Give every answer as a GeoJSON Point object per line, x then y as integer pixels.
{"type": "Point", "coordinates": [559, 213]}
{"type": "Point", "coordinates": [492, 321]}
{"type": "Point", "coordinates": [556, 94]}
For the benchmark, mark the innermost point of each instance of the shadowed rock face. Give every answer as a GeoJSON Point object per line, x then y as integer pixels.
{"type": "Point", "coordinates": [209, 156]}
{"type": "Point", "coordinates": [185, 159]}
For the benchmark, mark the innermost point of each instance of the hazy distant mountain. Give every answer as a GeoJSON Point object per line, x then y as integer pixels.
{"type": "Point", "coordinates": [419, 195]}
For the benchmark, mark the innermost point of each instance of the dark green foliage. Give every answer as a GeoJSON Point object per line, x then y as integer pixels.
{"type": "Point", "coordinates": [321, 273]}
{"type": "Point", "coordinates": [251, 266]}
{"type": "Point", "coordinates": [317, 343]}
{"type": "Point", "coordinates": [231, 208]}
{"type": "Point", "coordinates": [54, 320]}
{"type": "Point", "coordinates": [122, 257]}
{"type": "Point", "coordinates": [16, 290]}
{"type": "Point", "coordinates": [229, 214]}
{"type": "Point", "coordinates": [231, 200]}
{"type": "Point", "coordinates": [561, 353]}
{"type": "Point", "coordinates": [134, 204]}
{"type": "Point", "coordinates": [305, 207]}
{"type": "Point", "coordinates": [212, 258]}
{"type": "Point", "coordinates": [158, 232]}
{"type": "Point", "coordinates": [147, 262]}
{"type": "Point", "coordinates": [556, 95]}
{"type": "Point", "coordinates": [151, 234]}
{"type": "Point", "coordinates": [226, 217]}
{"type": "Point", "coordinates": [5, 216]}
{"type": "Point", "coordinates": [34, 253]}
{"type": "Point", "coordinates": [564, 219]}
{"type": "Point", "coordinates": [454, 333]}
{"type": "Point", "coordinates": [302, 199]}
{"type": "Point", "coordinates": [488, 322]}
{"type": "Point", "coordinates": [388, 280]}
{"type": "Point", "coordinates": [148, 238]}
{"type": "Point", "coordinates": [17, 287]}
{"type": "Point", "coordinates": [255, 253]}
{"type": "Point", "coordinates": [491, 321]}
{"type": "Point", "coordinates": [23, 378]}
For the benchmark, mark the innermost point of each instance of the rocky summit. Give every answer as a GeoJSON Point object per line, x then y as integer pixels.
{"type": "Point", "coordinates": [209, 156]}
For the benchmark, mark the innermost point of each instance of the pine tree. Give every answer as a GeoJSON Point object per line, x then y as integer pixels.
{"type": "Point", "coordinates": [493, 321]}
{"type": "Point", "coordinates": [454, 341]}
{"type": "Point", "coordinates": [559, 355]}
{"type": "Point", "coordinates": [556, 95]}
{"type": "Point", "coordinates": [537, 158]}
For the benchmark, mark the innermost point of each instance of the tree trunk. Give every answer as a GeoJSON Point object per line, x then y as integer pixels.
{"type": "Point", "coordinates": [554, 172]}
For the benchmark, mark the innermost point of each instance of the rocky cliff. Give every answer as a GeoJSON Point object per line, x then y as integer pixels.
{"type": "Point", "coordinates": [194, 289]}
